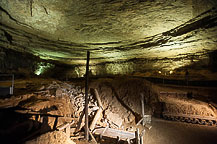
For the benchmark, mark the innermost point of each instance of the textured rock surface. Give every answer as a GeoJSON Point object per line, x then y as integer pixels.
{"type": "Point", "coordinates": [17, 62]}
{"type": "Point", "coordinates": [101, 20]}
{"type": "Point", "coordinates": [136, 34]}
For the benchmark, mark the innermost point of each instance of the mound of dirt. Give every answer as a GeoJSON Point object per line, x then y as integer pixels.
{"type": "Point", "coordinates": [121, 99]}
{"type": "Point", "coordinates": [55, 137]}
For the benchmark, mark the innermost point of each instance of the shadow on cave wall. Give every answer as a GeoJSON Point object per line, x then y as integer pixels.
{"type": "Point", "coordinates": [200, 73]}
{"type": "Point", "coordinates": [16, 127]}
{"type": "Point", "coordinates": [213, 61]}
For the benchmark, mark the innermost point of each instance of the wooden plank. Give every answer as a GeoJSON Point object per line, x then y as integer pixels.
{"type": "Point", "coordinates": [113, 133]}
{"type": "Point", "coordinates": [65, 125]}
{"type": "Point", "coordinates": [29, 112]}
{"type": "Point", "coordinates": [98, 98]}
{"type": "Point", "coordinates": [99, 111]}
{"type": "Point", "coordinates": [96, 117]}
{"type": "Point", "coordinates": [94, 140]}
{"type": "Point", "coordinates": [103, 131]}
{"type": "Point", "coordinates": [143, 108]}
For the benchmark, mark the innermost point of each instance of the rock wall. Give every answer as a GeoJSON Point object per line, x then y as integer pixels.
{"type": "Point", "coordinates": [184, 34]}
{"type": "Point", "coordinates": [24, 64]}
{"type": "Point", "coordinates": [200, 6]}
{"type": "Point", "coordinates": [19, 63]}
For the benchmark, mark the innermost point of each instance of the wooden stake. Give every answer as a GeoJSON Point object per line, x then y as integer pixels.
{"type": "Point", "coordinates": [141, 140]}
{"type": "Point", "coordinates": [94, 140]}
{"type": "Point", "coordinates": [99, 111]}
{"type": "Point", "coordinates": [80, 121]}
{"type": "Point", "coordinates": [96, 117]}
{"type": "Point", "coordinates": [98, 98]}
{"type": "Point", "coordinates": [143, 107]}
{"type": "Point", "coordinates": [141, 136]}
{"type": "Point", "coordinates": [86, 97]}
{"type": "Point", "coordinates": [137, 136]}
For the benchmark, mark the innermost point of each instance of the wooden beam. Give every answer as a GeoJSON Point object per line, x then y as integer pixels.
{"type": "Point", "coordinates": [103, 131]}
{"type": "Point", "coordinates": [99, 111]}
{"type": "Point", "coordinates": [98, 98]}
{"type": "Point", "coordinates": [96, 117]}
{"type": "Point", "coordinates": [143, 107]}
{"type": "Point", "coordinates": [141, 136]}
{"type": "Point", "coordinates": [137, 136]}
{"type": "Point", "coordinates": [113, 133]}
{"type": "Point", "coordinates": [86, 134]}
{"type": "Point", "coordinates": [63, 126]}
{"type": "Point", "coordinates": [94, 140]}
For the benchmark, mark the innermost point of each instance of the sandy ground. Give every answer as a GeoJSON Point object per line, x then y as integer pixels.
{"type": "Point", "coordinates": [171, 132]}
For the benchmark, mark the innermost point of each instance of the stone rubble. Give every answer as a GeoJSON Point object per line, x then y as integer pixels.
{"type": "Point", "coordinates": [75, 93]}
{"type": "Point", "coordinates": [113, 116]}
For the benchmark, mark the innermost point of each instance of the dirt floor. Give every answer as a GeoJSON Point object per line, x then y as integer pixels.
{"type": "Point", "coordinates": [39, 106]}
{"type": "Point", "coordinates": [171, 132]}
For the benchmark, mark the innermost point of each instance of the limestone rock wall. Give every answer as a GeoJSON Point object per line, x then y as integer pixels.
{"type": "Point", "coordinates": [16, 62]}
{"type": "Point", "coordinates": [123, 37]}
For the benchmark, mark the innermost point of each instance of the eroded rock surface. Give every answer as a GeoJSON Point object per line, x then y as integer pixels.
{"type": "Point", "coordinates": [125, 36]}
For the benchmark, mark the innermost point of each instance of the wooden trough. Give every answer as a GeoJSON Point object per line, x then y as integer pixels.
{"type": "Point", "coordinates": [113, 133]}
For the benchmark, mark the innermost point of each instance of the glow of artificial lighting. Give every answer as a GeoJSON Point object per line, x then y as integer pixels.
{"type": "Point", "coordinates": [39, 70]}
{"type": "Point", "coordinates": [171, 72]}
{"type": "Point", "coordinates": [42, 67]}
{"type": "Point", "coordinates": [159, 72]}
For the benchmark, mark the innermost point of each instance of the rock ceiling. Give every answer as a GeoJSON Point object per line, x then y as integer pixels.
{"type": "Point", "coordinates": [173, 31]}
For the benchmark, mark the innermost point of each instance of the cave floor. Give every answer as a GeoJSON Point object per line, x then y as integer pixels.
{"type": "Point", "coordinates": [162, 131]}
{"type": "Point", "coordinates": [172, 132]}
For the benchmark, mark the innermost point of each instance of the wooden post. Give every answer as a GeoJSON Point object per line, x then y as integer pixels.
{"type": "Point", "coordinates": [141, 140]}
{"type": "Point", "coordinates": [141, 136]}
{"type": "Point", "coordinates": [80, 121]}
{"type": "Point", "coordinates": [86, 97]}
{"type": "Point", "coordinates": [143, 107]}
{"type": "Point", "coordinates": [12, 86]}
{"type": "Point", "coordinates": [137, 136]}
{"type": "Point", "coordinates": [94, 140]}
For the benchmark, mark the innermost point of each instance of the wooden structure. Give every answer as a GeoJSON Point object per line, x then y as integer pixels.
{"type": "Point", "coordinates": [66, 128]}
{"type": "Point", "coordinates": [113, 133]}
{"type": "Point", "coordinates": [6, 85]}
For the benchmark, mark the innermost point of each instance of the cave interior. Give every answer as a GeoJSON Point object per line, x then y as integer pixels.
{"type": "Point", "coordinates": [103, 71]}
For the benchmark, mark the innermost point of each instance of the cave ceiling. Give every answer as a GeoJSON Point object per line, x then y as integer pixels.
{"type": "Point", "coordinates": [173, 31]}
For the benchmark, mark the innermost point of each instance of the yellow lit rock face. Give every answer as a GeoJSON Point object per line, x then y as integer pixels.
{"type": "Point", "coordinates": [102, 20]}
{"type": "Point", "coordinates": [122, 36]}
